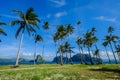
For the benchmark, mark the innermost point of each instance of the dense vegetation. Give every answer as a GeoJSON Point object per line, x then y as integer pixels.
{"type": "Point", "coordinates": [29, 22]}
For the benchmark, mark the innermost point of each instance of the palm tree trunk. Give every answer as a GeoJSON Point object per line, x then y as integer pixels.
{"type": "Point", "coordinates": [90, 56]}
{"type": "Point", "coordinates": [43, 53]}
{"type": "Point", "coordinates": [84, 61]}
{"type": "Point", "coordinates": [61, 58]}
{"type": "Point", "coordinates": [20, 45]}
{"type": "Point", "coordinates": [66, 58]}
{"type": "Point", "coordinates": [100, 59]}
{"type": "Point", "coordinates": [117, 52]}
{"type": "Point", "coordinates": [108, 55]}
{"type": "Point", "coordinates": [35, 54]}
{"type": "Point", "coordinates": [113, 53]}
{"type": "Point", "coordinates": [81, 59]}
{"type": "Point", "coordinates": [56, 54]}
{"type": "Point", "coordinates": [71, 59]}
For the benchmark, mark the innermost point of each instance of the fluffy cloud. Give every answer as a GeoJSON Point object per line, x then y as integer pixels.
{"type": "Point", "coordinates": [103, 18]}
{"type": "Point", "coordinates": [59, 14]}
{"type": "Point", "coordinates": [58, 3]}
{"type": "Point", "coordinates": [10, 16]}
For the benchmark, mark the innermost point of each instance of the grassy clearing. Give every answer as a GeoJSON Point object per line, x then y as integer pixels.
{"type": "Point", "coordinates": [57, 72]}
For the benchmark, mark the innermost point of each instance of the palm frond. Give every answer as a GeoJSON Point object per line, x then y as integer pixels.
{"type": "Point", "coordinates": [2, 32]}
{"type": "Point", "coordinates": [18, 31]}
{"type": "Point", "coordinates": [19, 13]}
{"type": "Point", "coordinates": [2, 24]}
{"type": "Point", "coordinates": [15, 22]}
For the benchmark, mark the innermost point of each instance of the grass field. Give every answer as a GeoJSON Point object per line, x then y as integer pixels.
{"type": "Point", "coordinates": [57, 72]}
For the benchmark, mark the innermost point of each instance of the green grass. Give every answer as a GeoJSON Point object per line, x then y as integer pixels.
{"type": "Point", "coordinates": [57, 72]}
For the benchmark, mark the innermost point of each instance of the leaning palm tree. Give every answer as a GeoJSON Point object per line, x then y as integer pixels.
{"type": "Point", "coordinates": [38, 38]}
{"type": "Point", "coordinates": [46, 26]}
{"type": "Point", "coordinates": [55, 38]}
{"type": "Point", "coordinates": [79, 23]}
{"type": "Point", "coordinates": [105, 44]}
{"type": "Point", "coordinates": [108, 39]}
{"type": "Point", "coordinates": [71, 51]}
{"type": "Point", "coordinates": [67, 45]}
{"type": "Point", "coordinates": [70, 31]}
{"type": "Point", "coordinates": [2, 32]}
{"type": "Point", "coordinates": [61, 34]}
{"type": "Point", "coordinates": [80, 42]}
{"type": "Point", "coordinates": [28, 22]}
{"type": "Point", "coordinates": [61, 50]}
{"type": "Point", "coordinates": [114, 39]}
{"type": "Point", "coordinates": [88, 42]}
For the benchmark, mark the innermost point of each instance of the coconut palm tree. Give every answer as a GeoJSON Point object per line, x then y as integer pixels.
{"type": "Point", "coordinates": [115, 40]}
{"type": "Point", "coordinates": [2, 32]}
{"type": "Point", "coordinates": [108, 39]}
{"type": "Point", "coordinates": [79, 23]}
{"type": "Point", "coordinates": [67, 45]}
{"type": "Point", "coordinates": [61, 50]}
{"type": "Point", "coordinates": [55, 38]}
{"type": "Point", "coordinates": [28, 22]}
{"type": "Point", "coordinates": [80, 42]}
{"type": "Point", "coordinates": [88, 42]}
{"type": "Point", "coordinates": [46, 26]}
{"type": "Point", "coordinates": [71, 51]}
{"type": "Point", "coordinates": [61, 34]}
{"type": "Point", "coordinates": [38, 38]}
{"type": "Point", "coordinates": [105, 44]}
{"type": "Point", "coordinates": [70, 31]}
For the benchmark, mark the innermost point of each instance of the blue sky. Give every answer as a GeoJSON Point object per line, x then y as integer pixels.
{"type": "Point", "coordinates": [100, 14]}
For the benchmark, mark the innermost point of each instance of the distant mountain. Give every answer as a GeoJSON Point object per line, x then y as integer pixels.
{"type": "Point", "coordinates": [76, 58]}
{"type": "Point", "coordinates": [7, 60]}
{"type": "Point", "coordinates": [38, 59]}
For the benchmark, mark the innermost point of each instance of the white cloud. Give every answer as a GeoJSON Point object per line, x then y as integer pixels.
{"type": "Point", "coordinates": [59, 14]}
{"type": "Point", "coordinates": [58, 3]}
{"type": "Point", "coordinates": [10, 16]}
{"type": "Point", "coordinates": [103, 18]}
{"type": "Point", "coordinates": [49, 15]}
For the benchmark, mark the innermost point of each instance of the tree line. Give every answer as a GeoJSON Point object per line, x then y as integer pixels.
{"type": "Point", "coordinates": [29, 22]}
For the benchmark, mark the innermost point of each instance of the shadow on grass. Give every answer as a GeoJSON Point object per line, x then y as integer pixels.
{"type": "Point", "coordinates": [107, 70]}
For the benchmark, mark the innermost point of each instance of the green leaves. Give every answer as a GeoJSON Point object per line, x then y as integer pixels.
{"type": "Point", "coordinates": [38, 38]}
{"type": "Point", "coordinates": [46, 25]}
{"type": "Point", "coordinates": [28, 21]}
{"type": "Point", "coordinates": [15, 22]}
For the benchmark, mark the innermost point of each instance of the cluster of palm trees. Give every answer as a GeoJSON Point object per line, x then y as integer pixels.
{"type": "Point", "coordinates": [87, 40]}
{"type": "Point", "coordinates": [29, 23]}
{"type": "Point", "coordinates": [63, 32]}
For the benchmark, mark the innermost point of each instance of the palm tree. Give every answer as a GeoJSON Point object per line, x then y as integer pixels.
{"type": "Point", "coordinates": [70, 31]}
{"type": "Point", "coordinates": [28, 22]}
{"type": "Point", "coordinates": [80, 44]}
{"type": "Point", "coordinates": [71, 51]}
{"type": "Point", "coordinates": [67, 45]}
{"type": "Point", "coordinates": [105, 44]}
{"type": "Point", "coordinates": [55, 41]}
{"type": "Point", "coordinates": [61, 50]}
{"type": "Point", "coordinates": [108, 39]}
{"type": "Point", "coordinates": [88, 42]}
{"type": "Point", "coordinates": [61, 34]}
{"type": "Point", "coordinates": [38, 38]}
{"type": "Point", "coordinates": [2, 32]}
{"type": "Point", "coordinates": [46, 26]}
{"type": "Point", "coordinates": [79, 23]}
{"type": "Point", "coordinates": [114, 39]}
